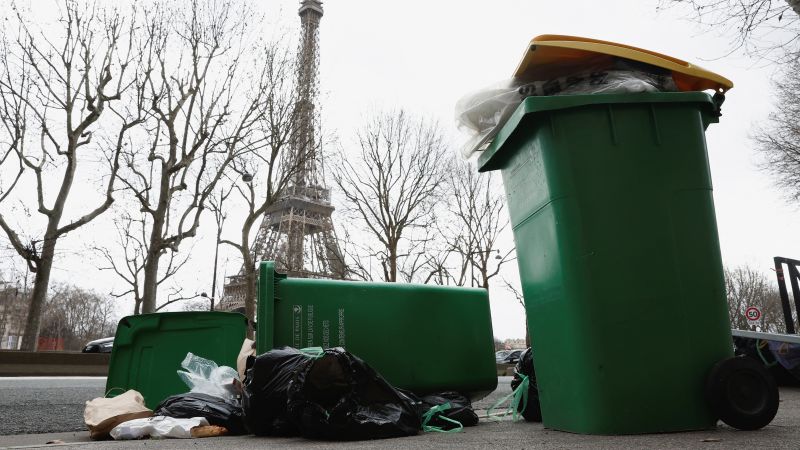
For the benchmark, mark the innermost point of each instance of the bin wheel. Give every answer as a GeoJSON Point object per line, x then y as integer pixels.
{"type": "Point", "coordinates": [741, 393]}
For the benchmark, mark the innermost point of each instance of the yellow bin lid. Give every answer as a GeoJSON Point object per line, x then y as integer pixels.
{"type": "Point", "coordinates": [552, 55]}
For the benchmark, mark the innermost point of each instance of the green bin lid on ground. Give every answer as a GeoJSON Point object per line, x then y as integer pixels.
{"type": "Point", "coordinates": [149, 348]}
{"type": "Point", "coordinates": [490, 158]}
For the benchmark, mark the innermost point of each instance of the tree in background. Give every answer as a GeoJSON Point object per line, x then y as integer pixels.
{"type": "Point", "coordinates": [764, 28]}
{"type": "Point", "coordinates": [132, 242]}
{"type": "Point", "coordinates": [517, 293]}
{"type": "Point", "coordinates": [778, 140]}
{"type": "Point", "coordinates": [745, 287]}
{"type": "Point", "coordinates": [58, 89]}
{"type": "Point", "coordinates": [391, 189]}
{"type": "Point", "coordinates": [477, 209]}
{"type": "Point", "coordinates": [77, 316]}
{"type": "Point", "coordinates": [204, 106]}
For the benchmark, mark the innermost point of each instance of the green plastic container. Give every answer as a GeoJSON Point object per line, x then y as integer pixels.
{"type": "Point", "coordinates": [149, 348]}
{"type": "Point", "coordinates": [423, 338]}
{"type": "Point", "coordinates": [611, 203]}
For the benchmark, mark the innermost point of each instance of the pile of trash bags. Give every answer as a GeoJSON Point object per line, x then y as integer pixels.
{"type": "Point", "coordinates": [334, 395]}
{"type": "Point", "coordinates": [318, 394]}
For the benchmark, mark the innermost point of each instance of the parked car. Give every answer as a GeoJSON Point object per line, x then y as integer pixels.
{"type": "Point", "coordinates": [501, 354]}
{"type": "Point", "coordinates": [99, 346]}
{"type": "Point", "coordinates": [512, 357]}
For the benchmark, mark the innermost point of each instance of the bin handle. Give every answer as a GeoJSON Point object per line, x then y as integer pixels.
{"type": "Point", "coordinates": [267, 295]}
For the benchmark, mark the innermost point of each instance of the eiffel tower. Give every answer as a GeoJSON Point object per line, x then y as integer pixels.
{"type": "Point", "coordinates": [297, 231]}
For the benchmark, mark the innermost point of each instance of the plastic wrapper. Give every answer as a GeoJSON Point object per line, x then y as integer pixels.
{"type": "Point", "coordinates": [157, 427]}
{"type": "Point", "coordinates": [216, 410]}
{"type": "Point", "coordinates": [524, 373]}
{"type": "Point", "coordinates": [266, 391]}
{"type": "Point", "coordinates": [206, 377]}
{"type": "Point", "coordinates": [481, 114]}
{"type": "Point", "coordinates": [337, 396]}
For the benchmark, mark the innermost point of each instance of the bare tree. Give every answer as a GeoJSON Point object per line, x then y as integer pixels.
{"type": "Point", "coordinates": [392, 187]}
{"type": "Point", "coordinates": [778, 140]}
{"type": "Point", "coordinates": [259, 178]}
{"type": "Point", "coordinates": [77, 316]}
{"type": "Point", "coordinates": [128, 259]}
{"type": "Point", "coordinates": [57, 91]}
{"type": "Point", "coordinates": [746, 287]}
{"type": "Point", "coordinates": [201, 115]}
{"type": "Point", "coordinates": [479, 220]}
{"type": "Point", "coordinates": [521, 300]}
{"type": "Point", "coordinates": [764, 28]}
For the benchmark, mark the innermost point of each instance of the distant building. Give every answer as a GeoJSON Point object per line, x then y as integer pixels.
{"type": "Point", "coordinates": [13, 312]}
{"type": "Point", "coordinates": [511, 344]}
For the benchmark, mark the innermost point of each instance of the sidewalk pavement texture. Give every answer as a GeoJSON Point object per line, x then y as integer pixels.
{"type": "Point", "coordinates": [783, 432]}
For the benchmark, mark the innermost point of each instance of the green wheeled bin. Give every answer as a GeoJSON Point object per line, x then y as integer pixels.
{"type": "Point", "coordinates": [423, 338]}
{"type": "Point", "coordinates": [611, 204]}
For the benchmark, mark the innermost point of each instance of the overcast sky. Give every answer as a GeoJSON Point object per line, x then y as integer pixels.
{"type": "Point", "coordinates": [424, 55]}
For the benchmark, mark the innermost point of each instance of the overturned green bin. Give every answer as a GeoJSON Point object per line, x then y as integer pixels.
{"type": "Point", "coordinates": [423, 338]}
{"type": "Point", "coordinates": [149, 348]}
{"type": "Point", "coordinates": [611, 204]}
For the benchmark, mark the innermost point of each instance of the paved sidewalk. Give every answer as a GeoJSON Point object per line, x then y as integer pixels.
{"type": "Point", "coordinates": [784, 432]}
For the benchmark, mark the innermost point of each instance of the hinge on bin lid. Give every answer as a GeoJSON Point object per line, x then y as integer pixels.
{"type": "Point", "coordinates": [718, 99]}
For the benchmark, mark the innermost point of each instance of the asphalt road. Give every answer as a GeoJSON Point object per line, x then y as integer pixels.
{"type": "Point", "coordinates": [46, 404]}
{"type": "Point", "coordinates": [783, 432]}
{"type": "Point", "coordinates": [32, 405]}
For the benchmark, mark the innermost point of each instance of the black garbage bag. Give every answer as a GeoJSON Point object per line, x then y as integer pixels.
{"type": "Point", "coordinates": [531, 410]}
{"type": "Point", "coordinates": [266, 385]}
{"type": "Point", "coordinates": [337, 396]}
{"type": "Point", "coordinates": [444, 409]}
{"type": "Point", "coordinates": [216, 410]}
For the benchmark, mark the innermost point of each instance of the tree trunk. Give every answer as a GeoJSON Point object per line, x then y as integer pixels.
{"type": "Point", "coordinates": [392, 262]}
{"type": "Point", "coordinates": [30, 338]}
{"type": "Point", "coordinates": [150, 284]}
{"type": "Point", "coordinates": [150, 287]}
{"type": "Point", "coordinates": [795, 5]}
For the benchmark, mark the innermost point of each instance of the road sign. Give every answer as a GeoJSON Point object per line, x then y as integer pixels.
{"type": "Point", "coordinates": [753, 314]}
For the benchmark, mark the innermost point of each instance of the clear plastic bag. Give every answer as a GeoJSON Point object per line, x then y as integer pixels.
{"type": "Point", "coordinates": [481, 114]}
{"type": "Point", "coordinates": [157, 427]}
{"type": "Point", "coordinates": [206, 377]}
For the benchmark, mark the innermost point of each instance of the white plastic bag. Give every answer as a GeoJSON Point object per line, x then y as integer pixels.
{"type": "Point", "coordinates": [481, 114]}
{"type": "Point", "coordinates": [205, 376]}
{"type": "Point", "coordinates": [157, 427]}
